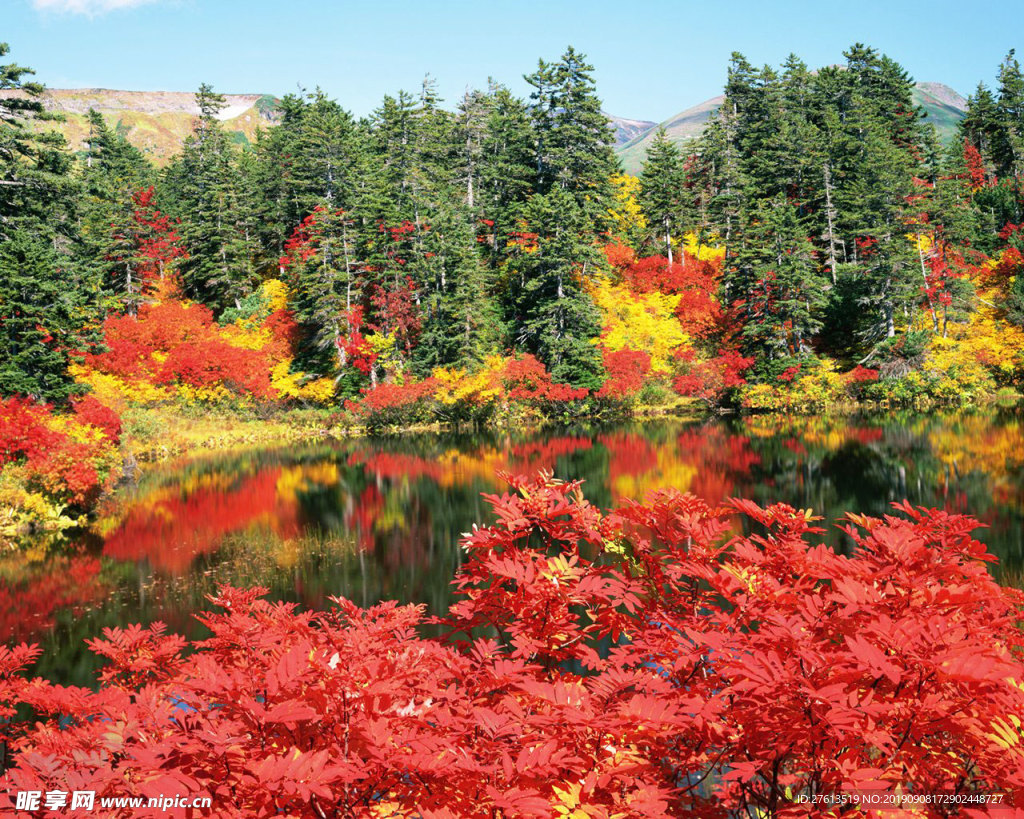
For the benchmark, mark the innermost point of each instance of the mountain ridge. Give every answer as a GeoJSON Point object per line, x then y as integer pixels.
{"type": "Point", "coordinates": [158, 122]}
{"type": "Point", "coordinates": [944, 106]}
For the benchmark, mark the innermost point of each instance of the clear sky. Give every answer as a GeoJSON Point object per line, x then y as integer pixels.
{"type": "Point", "coordinates": [653, 58]}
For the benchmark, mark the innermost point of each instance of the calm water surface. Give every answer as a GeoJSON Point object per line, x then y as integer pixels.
{"type": "Point", "coordinates": [374, 519]}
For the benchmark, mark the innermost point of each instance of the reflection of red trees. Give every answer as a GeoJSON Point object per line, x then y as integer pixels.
{"type": "Point", "coordinates": [723, 461]}
{"type": "Point", "coordinates": [28, 605]}
{"type": "Point", "coordinates": [628, 454]}
{"type": "Point", "coordinates": [394, 465]}
{"type": "Point", "coordinates": [864, 435]}
{"type": "Point", "coordinates": [170, 532]}
{"type": "Point", "coordinates": [543, 454]}
{"type": "Point", "coordinates": [361, 518]}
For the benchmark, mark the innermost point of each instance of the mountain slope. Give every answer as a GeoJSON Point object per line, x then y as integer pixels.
{"type": "Point", "coordinates": [944, 106]}
{"type": "Point", "coordinates": [628, 129]}
{"type": "Point", "coordinates": [157, 122]}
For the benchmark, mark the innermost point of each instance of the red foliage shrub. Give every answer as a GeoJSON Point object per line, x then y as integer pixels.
{"type": "Point", "coordinates": [788, 374]}
{"type": "Point", "coordinates": [174, 342]}
{"type": "Point", "coordinates": [213, 363]}
{"type": "Point", "coordinates": [23, 430]}
{"type": "Point", "coordinates": [694, 281]}
{"type": "Point", "coordinates": [708, 380]}
{"type": "Point", "coordinates": [90, 410]}
{"type": "Point", "coordinates": [63, 467]}
{"type": "Point", "coordinates": [619, 256]}
{"type": "Point", "coordinates": [525, 378]}
{"type": "Point", "coordinates": [391, 404]}
{"type": "Point", "coordinates": [626, 371]}
{"type": "Point", "coordinates": [860, 375]}
{"type": "Point", "coordinates": [635, 664]}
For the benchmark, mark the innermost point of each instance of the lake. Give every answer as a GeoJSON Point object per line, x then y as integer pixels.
{"type": "Point", "coordinates": [380, 518]}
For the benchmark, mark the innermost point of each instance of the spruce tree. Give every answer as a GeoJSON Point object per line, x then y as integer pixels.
{"type": "Point", "coordinates": [206, 194]}
{"type": "Point", "coordinates": [573, 137]}
{"type": "Point", "coordinates": [663, 197]}
{"type": "Point", "coordinates": [48, 298]}
{"type": "Point", "coordinates": [553, 315]}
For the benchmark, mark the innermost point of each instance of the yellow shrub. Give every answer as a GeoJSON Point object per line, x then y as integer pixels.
{"type": "Point", "coordinates": [640, 322]}
{"type": "Point", "coordinates": [705, 253]}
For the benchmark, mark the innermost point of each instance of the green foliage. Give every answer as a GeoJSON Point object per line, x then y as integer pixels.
{"type": "Point", "coordinates": [41, 320]}
{"type": "Point", "coordinates": [554, 317]}
{"type": "Point", "coordinates": [664, 199]}
{"type": "Point", "coordinates": [210, 195]}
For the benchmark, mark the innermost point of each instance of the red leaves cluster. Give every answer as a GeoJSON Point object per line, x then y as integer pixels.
{"type": "Point", "coordinates": [626, 370]}
{"type": "Point", "coordinates": [23, 430]}
{"type": "Point", "coordinates": [174, 342]}
{"type": "Point", "coordinates": [976, 167]}
{"type": "Point", "coordinates": [389, 396]}
{"type": "Point", "coordinates": [89, 410]}
{"type": "Point", "coordinates": [213, 362]}
{"type": "Point", "coordinates": [709, 380]}
{"type": "Point", "coordinates": [354, 346]}
{"type": "Point", "coordinates": [694, 281]}
{"type": "Point", "coordinates": [397, 312]}
{"type": "Point", "coordinates": [633, 664]}
{"type": "Point", "coordinates": [526, 379]}
{"type": "Point", "coordinates": [861, 375]}
{"type": "Point", "coordinates": [145, 244]}
{"type": "Point", "coordinates": [57, 463]}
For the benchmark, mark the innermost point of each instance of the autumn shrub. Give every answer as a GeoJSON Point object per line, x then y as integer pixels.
{"type": "Point", "coordinates": [638, 663]}
{"type": "Point", "coordinates": [513, 388]}
{"type": "Point", "coordinates": [394, 405]}
{"type": "Point", "coordinates": [172, 349]}
{"type": "Point", "coordinates": [809, 386]}
{"type": "Point", "coordinates": [89, 410]}
{"type": "Point", "coordinates": [626, 370]}
{"type": "Point", "coordinates": [468, 396]}
{"type": "Point", "coordinates": [945, 372]}
{"type": "Point", "coordinates": [53, 466]}
{"type": "Point", "coordinates": [69, 458]}
{"type": "Point", "coordinates": [713, 380]}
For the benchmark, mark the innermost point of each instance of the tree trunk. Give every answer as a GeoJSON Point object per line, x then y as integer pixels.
{"type": "Point", "coordinates": [830, 213]}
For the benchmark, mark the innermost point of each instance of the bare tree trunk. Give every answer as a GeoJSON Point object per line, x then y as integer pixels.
{"type": "Point", "coordinates": [830, 213]}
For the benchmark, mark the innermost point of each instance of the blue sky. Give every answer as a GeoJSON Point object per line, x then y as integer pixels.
{"type": "Point", "coordinates": [652, 57]}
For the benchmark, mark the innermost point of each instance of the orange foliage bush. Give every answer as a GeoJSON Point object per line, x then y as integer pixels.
{"type": "Point", "coordinates": [177, 344]}
{"type": "Point", "coordinates": [69, 457]}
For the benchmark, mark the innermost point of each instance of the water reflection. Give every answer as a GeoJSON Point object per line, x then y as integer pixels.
{"type": "Point", "coordinates": [380, 518]}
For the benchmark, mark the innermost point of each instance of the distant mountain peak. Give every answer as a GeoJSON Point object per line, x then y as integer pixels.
{"type": "Point", "coordinates": [156, 122]}
{"type": "Point", "coordinates": [944, 106]}
{"type": "Point", "coordinates": [627, 129]}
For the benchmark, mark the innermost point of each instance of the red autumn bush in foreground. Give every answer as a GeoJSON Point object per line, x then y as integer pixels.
{"type": "Point", "coordinates": [637, 663]}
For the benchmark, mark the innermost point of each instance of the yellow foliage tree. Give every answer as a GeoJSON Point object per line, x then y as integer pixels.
{"type": "Point", "coordinates": [644, 322]}
{"type": "Point", "coordinates": [704, 253]}
{"type": "Point", "coordinates": [630, 223]}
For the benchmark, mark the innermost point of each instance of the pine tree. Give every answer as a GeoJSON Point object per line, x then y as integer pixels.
{"type": "Point", "coordinates": [553, 316]}
{"type": "Point", "coordinates": [206, 193]}
{"type": "Point", "coordinates": [573, 137]}
{"type": "Point", "coordinates": [783, 290]}
{"type": "Point", "coordinates": [507, 175]}
{"type": "Point", "coordinates": [663, 196]}
{"type": "Point", "coordinates": [48, 299]}
{"type": "Point", "coordinates": [1008, 146]}
{"type": "Point", "coordinates": [44, 315]}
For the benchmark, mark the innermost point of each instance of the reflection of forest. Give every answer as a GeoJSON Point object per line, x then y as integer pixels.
{"type": "Point", "coordinates": [376, 519]}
